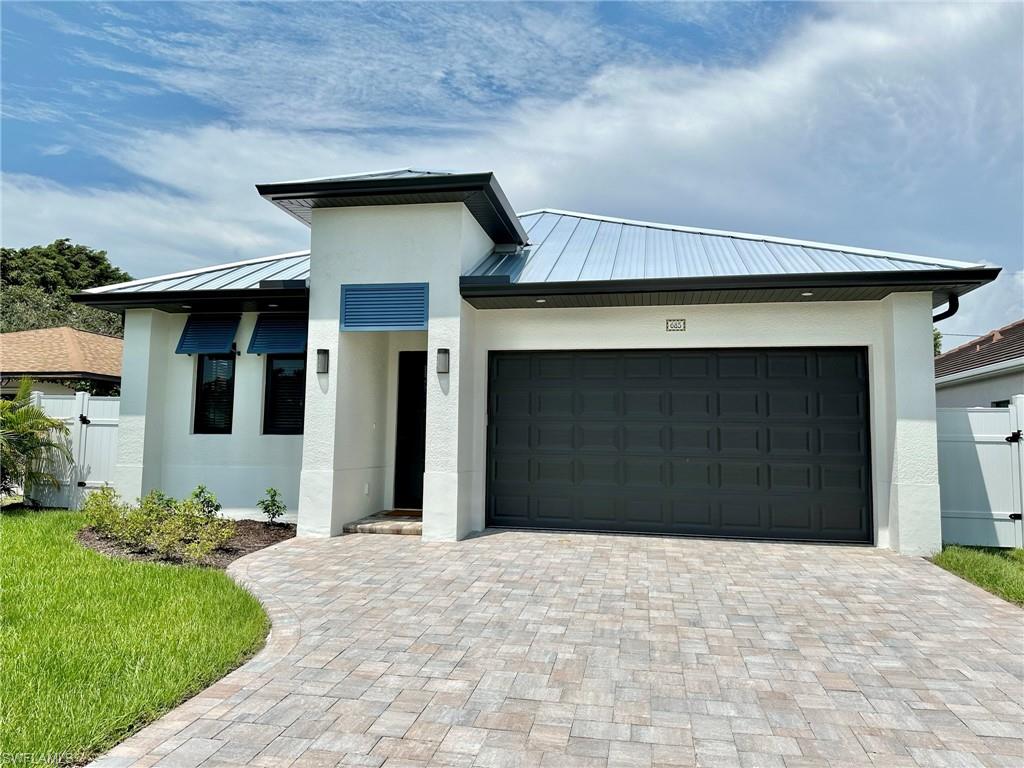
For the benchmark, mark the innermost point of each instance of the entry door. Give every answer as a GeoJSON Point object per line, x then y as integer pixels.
{"type": "Point", "coordinates": [751, 443]}
{"type": "Point", "coordinates": [411, 429]}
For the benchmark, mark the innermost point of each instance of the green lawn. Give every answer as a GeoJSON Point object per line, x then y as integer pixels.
{"type": "Point", "coordinates": [1000, 571]}
{"type": "Point", "coordinates": [93, 648]}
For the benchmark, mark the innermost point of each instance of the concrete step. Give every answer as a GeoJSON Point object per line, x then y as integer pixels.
{"type": "Point", "coordinates": [392, 522]}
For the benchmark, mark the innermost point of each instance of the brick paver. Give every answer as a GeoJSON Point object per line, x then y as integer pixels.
{"type": "Point", "coordinates": [548, 649]}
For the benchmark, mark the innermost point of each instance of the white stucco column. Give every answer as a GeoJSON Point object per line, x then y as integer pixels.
{"type": "Point", "coordinates": [147, 348]}
{"type": "Point", "coordinates": [914, 515]}
{"type": "Point", "coordinates": [345, 464]}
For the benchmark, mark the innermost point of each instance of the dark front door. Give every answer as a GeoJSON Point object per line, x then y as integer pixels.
{"type": "Point", "coordinates": [752, 443]}
{"type": "Point", "coordinates": [411, 430]}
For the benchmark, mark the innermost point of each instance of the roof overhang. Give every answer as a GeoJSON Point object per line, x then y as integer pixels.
{"type": "Point", "coordinates": [49, 375]}
{"type": "Point", "coordinates": [275, 299]}
{"type": "Point", "coordinates": [1002, 368]}
{"type": "Point", "coordinates": [501, 293]}
{"type": "Point", "coordinates": [480, 193]}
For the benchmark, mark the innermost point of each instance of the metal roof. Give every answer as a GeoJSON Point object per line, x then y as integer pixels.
{"type": "Point", "coordinates": [238, 275]}
{"type": "Point", "coordinates": [566, 246]}
{"type": "Point", "coordinates": [578, 259]}
{"type": "Point", "coordinates": [479, 192]}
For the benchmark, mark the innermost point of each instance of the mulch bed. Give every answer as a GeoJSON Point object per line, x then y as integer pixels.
{"type": "Point", "coordinates": [250, 536]}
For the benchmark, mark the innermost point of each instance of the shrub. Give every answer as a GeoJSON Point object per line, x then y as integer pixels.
{"type": "Point", "coordinates": [272, 506]}
{"type": "Point", "coordinates": [189, 529]}
{"type": "Point", "coordinates": [103, 510]}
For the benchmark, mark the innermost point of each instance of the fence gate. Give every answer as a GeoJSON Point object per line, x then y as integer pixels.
{"type": "Point", "coordinates": [981, 474]}
{"type": "Point", "coordinates": [92, 422]}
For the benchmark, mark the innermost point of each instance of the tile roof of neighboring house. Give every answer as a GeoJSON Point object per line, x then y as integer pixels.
{"type": "Point", "coordinates": [60, 353]}
{"type": "Point", "coordinates": [998, 346]}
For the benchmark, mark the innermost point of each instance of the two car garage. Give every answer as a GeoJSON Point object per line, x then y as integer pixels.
{"type": "Point", "coordinates": [750, 443]}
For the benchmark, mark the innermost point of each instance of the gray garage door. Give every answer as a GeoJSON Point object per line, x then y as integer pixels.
{"type": "Point", "coordinates": [755, 443]}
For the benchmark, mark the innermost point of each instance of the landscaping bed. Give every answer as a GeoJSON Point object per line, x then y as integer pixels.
{"type": "Point", "coordinates": [999, 571]}
{"type": "Point", "coordinates": [250, 536]}
{"type": "Point", "coordinates": [93, 648]}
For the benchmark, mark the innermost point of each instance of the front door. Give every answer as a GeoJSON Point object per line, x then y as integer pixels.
{"type": "Point", "coordinates": [411, 430]}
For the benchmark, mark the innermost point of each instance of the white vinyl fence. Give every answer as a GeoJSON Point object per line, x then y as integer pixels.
{"type": "Point", "coordinates": [93, 425]}
{"type": "Point", "coordinates": [981, 474]}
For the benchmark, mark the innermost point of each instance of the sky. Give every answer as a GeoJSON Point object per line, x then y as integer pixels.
{"type": "Point", "coordinates": [141, 128]}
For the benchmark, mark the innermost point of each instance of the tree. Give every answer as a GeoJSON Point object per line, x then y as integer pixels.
{"type": "Point", "coordinates": [937, 341]}
{"type": "Point", "coordinates": [59, 266]}
{"type": "Point", "coordinates": [33, 446]}
{"type": "Point", "coordinates": [37, 283]}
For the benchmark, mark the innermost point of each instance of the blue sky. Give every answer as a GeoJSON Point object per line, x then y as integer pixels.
{"type": "Point", "coordinates": [141, 127]}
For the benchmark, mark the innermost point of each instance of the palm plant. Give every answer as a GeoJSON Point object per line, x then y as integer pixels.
{"type": "Point", "coordinates": [34, 447]}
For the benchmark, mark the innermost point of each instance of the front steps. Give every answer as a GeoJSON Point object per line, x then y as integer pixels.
{"type": "Point", "coordinates": [407, 522]}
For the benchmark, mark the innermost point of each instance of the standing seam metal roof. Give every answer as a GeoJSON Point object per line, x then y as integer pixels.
{"type": "Point", "coordinates": [565, 246]}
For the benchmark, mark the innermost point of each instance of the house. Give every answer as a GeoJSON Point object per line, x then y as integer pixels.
{"type": "Point", "coordinates": [59, 361]}
{"type": "Point", "coordinates": [985, 372]}
{"type": "Point", "coordinates": [434, 350]}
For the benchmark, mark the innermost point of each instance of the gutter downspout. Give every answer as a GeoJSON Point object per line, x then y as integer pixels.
{"type": "Point", "coordinates": [950, 310]}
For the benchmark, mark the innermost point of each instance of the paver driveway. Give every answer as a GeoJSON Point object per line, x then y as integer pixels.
{"type": "Point", "coordinates": [546, 649]}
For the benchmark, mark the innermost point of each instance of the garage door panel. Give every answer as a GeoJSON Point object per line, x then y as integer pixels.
{"type": "Point", "coordinates": [753, 443]}
{"type": "Point", "coordinates": [643, 437]}
{"type": "Point", "coordinates": [693, 475]}
{"type": "Point", "coordinates": [791, 441]}
{"type": "Point", "coordinates": [552, 436]}
{"type": "Point", "coordinates": [599, 437]}
{"type": "Point", "coordinates": [741, 440]}
{"type": "Point", "coordinates": [693, 439]}
{"type": "Point", "coordinates": [739, 404]}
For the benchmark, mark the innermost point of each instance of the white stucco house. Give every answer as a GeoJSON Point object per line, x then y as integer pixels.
{"type": "Point", "coordinates": [986, 372]}
{"type": "Point", "coordinates": [435, 350]}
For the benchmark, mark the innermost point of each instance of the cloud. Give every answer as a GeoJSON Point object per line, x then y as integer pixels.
{"type": "Point", "coordinates": [896, 127]}
{"type": "Point", "coordinates": [54, 150]}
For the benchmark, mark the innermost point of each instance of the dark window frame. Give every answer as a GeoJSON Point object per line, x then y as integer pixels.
{"type": "Point", "coordinates": [270, 427]}
{"type": "Point", "coordinates": [200, 424]}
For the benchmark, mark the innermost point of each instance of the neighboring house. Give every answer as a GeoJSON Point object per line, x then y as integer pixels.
{"type": "Point", "coordinates": [59, 361]}
{"type": "Point", "coordinates": [985, 372]}
{"type": "Point", "coordinates": [551, 369]}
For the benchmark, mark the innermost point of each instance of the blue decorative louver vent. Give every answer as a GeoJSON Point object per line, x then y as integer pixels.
{"type": "Point", "coordinates": [279, 334]}
{"type": "Point", "coordinates": [208, 334]}
{"type": "Point", "coordinates": [384, 307]}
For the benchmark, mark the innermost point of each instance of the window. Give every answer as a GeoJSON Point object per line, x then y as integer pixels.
{"type": "Point", "coordinates": [1000, 403]}
{"type": "Point", "coordinates": [215, 394]}
{"type": "Point", "coordinates": [285, 401]}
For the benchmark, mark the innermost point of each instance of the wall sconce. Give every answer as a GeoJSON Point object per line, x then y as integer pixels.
{"type": "Point", "coordinates": [442, 359]}
{"type": "Point", "coordinates": [323, 357]}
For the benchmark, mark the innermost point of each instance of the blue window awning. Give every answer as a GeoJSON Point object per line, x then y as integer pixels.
{"type": "Point", "coordinates": [279, 333]}
{"type": "Point", "coordinates": [384, 307]}
{"type": "Point", "coordinates": [208, 334]}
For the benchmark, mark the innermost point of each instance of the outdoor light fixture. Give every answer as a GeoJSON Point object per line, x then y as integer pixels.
{"type": "Point", "coordinates": [542, 301]}
{"type": "Point", "coordinates": [442, 359]}
{"type": "Point", "coordinates": [323, 356]}
{"type": "Point", "coordinates": [807, 293]}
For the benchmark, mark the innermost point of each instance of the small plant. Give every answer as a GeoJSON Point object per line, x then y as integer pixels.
{"type": "Point", "coordinates": [189, 529]}
{"type": "Point", "coordinates": [272, 506]}
{"type": "Point", "coordinates": [208, 504]}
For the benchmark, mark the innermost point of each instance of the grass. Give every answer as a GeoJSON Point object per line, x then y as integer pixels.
{"type": "Point", "coordinates": [93, 648]}
{"type": "Point", "coordinates": [1000, 571]}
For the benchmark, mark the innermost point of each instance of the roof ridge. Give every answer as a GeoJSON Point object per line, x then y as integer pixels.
{"type": "Point", "coordinates": [74, 351]}
{"type": "Point", "coordinates": [197, 271]}
{"type": "Point", "coordinates": [977, 339]}
{"type": "Point", "coordinates": [761, 238]}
